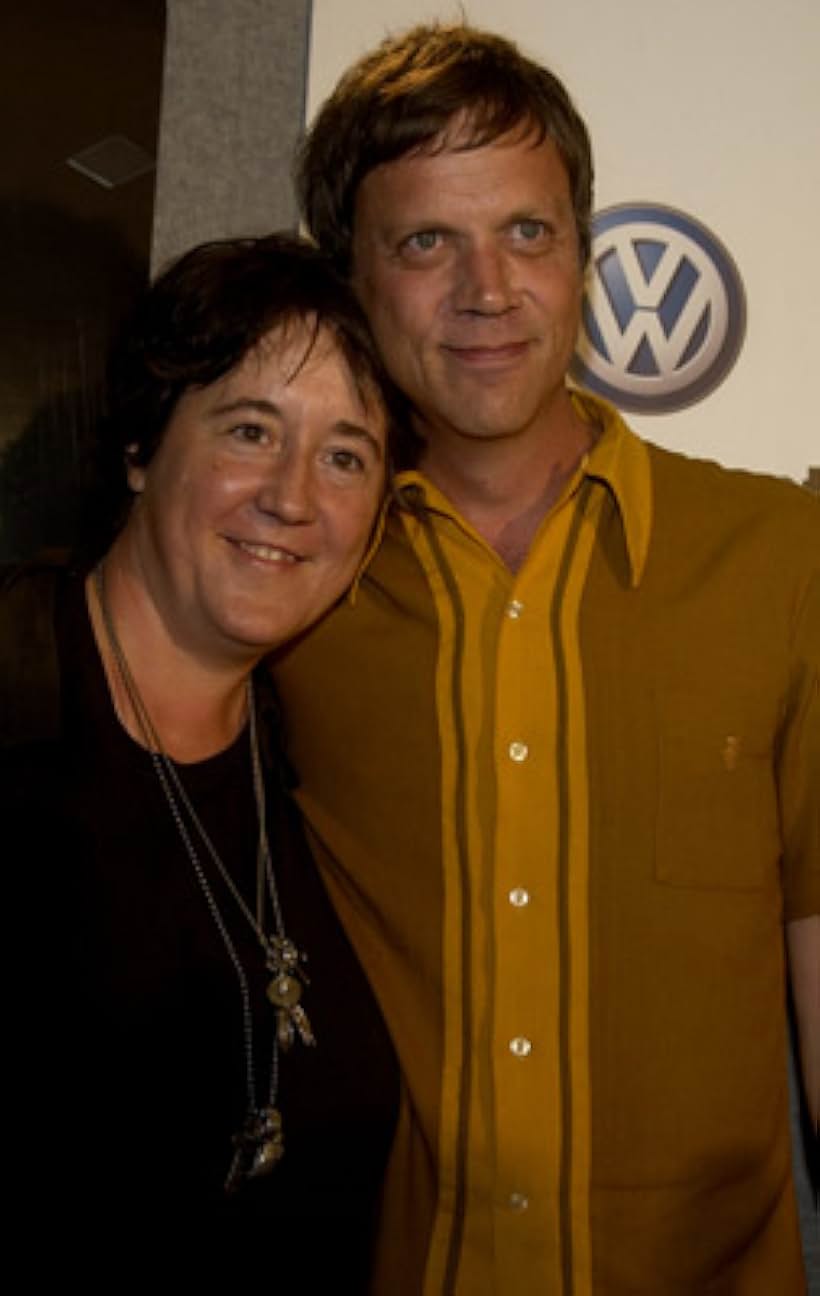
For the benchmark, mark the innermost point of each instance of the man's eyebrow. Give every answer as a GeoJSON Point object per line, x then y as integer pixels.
{"type": "Point", "coordinates": [342, 427]}
{"type": "Point", "coordinates": [532, 211]}
{"type": "Point", "coordinates": [404, 229]}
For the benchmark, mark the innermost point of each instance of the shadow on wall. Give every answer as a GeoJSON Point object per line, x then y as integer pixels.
{"type": "Point", "coordinates": [67, 286]}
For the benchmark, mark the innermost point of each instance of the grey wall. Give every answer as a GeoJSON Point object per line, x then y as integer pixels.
{"type": "Point", "coordinates": [232, 111]}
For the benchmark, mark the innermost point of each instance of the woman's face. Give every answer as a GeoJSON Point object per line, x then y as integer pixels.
{"type": "Point", "coordinates": [256, 509]}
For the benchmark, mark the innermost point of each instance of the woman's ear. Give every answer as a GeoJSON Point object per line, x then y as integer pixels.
{"type": "Point", "coordinates": [134, 472]}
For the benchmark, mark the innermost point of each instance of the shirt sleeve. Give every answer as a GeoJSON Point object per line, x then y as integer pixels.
{"type": "Point", "coordinates": [799, 765]}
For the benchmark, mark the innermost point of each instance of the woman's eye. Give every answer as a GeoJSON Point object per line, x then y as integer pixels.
{"type": "Point", "coordinates": [347, 460]}
{"type": "Point", "coordinates": [249, 432]}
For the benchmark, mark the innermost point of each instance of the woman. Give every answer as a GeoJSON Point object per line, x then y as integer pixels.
{"type": "Point", "coordinates": [202, 1077]}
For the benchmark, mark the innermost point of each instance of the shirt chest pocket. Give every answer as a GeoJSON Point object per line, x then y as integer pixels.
{"type": "Point", "coordinates": [717, 822]}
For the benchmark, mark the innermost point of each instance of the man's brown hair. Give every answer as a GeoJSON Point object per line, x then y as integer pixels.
{"type": "Point", "coordinates": [405, 94]}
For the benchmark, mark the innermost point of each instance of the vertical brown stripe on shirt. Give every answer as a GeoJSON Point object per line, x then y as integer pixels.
{"type": "Point", "coordinates": [457, 1228]}
{"type": "Point", "coordinates": [562, 762]}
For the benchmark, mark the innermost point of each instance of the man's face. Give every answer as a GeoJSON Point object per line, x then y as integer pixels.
{"type": "Point", "coordinates": [467, 264]}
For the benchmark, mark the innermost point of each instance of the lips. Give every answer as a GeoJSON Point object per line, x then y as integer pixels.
{"type": "Point", "coordinates": [268, 553]}
{"type": "Point", "coordinates": [487, 356]}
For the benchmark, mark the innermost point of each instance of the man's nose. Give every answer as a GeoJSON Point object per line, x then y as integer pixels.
{"type": "Point", "coordinates": [483, 284]}
{"type": "Point", "coordinates": [287, 491]}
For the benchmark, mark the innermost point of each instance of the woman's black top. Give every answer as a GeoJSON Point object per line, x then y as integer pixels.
{"type": "Point", "coordinates": [128, 1048]}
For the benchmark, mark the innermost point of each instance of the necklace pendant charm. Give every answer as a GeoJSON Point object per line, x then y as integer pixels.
{"type": "Point", "coordinates": [258, 1148]}
{"type": "Point", "coordinates": [300, 1020]}
{"type": "Point", "coordinates": [290, 1022]}
{"type": "Point", "coordinates": [270, 1147]}
{"type": "Point", "coordinates": [283, 956]}
{"type": "Point", "coordinates": [285, 1033]}
{"type": "Point", "coordinates": [284, 991]}
{"type": "Point", "coordinates": [284, 960]}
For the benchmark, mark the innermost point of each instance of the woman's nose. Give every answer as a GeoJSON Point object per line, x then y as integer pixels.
{"type": "Point", "coordinates": [287, 491]}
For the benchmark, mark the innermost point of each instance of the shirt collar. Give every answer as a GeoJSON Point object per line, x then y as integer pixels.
{"type": "Point", "coordinates": [619, 459]}
{"type": "Point", "coordinates": [375, 540]}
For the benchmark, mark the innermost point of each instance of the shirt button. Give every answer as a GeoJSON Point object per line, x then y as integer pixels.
{"type": "Point", "coordinates": [518, 751]}
{"type": "Point", "coordinates": [514, 609]}
{"type": "Point", "coordinates": [519, 897]}
{"type": "Point", "coordinates": [517, 1202]}
{"type": "Point", "coordinates": [521, 1047]}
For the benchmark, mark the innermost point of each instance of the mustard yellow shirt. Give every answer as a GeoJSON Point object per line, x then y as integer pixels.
{"type": "Point", "coordinates": [563, 813]}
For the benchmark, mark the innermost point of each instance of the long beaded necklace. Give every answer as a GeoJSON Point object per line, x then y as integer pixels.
{"type": "Point", "coordinates": [259, 1144]}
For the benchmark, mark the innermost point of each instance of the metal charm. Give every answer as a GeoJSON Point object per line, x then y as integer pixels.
{"type": "Point", "coordinates": [285, 992]}
{"type": "Point", "coordinates": [258, 1148]}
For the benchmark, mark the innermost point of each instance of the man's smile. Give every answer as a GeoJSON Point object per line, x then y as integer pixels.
{"type": "Point", "coordinates": [487, 356]}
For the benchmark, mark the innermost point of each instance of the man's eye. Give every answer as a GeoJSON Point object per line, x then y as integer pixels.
{"type": "Point", "coordinates": [528, 231]}
{"type": "Point", "coordinates": [423, 241]}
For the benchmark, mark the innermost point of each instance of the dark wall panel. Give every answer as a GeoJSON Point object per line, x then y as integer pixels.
{"type": "Point", "coordinates": [75, 242]}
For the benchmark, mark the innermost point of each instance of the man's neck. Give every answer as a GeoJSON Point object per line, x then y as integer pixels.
{"type": "Point", "coordinates": [504, 487]}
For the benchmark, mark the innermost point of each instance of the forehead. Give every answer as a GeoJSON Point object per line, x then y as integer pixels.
{"type": "Point", "coordinates": [292, 349]}
{"type": "Point", "coordinates": [299, 362]}
{"type": "Point", "coordinates": [296, 355]}
{"type": "Point", "coordinates": [292, 365]}
{"type": "Point", "coordinates": [448, 176]}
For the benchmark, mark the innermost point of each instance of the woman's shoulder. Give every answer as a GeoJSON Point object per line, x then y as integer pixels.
{"type": "Point", "coordinates": [29, 667]}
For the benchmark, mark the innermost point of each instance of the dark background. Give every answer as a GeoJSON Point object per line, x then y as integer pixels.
{"type": "Point", "coordinates": [75, 253]}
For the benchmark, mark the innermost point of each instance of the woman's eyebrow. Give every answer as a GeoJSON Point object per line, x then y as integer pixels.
{"type": "Point", "coordinates": [247, 402]}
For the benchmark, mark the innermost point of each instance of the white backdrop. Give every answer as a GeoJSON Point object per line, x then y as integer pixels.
{"type": "Point", "coordinates": [710, 106]}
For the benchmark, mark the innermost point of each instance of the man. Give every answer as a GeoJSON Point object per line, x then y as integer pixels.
{"type": "Point", "coordinates": [561, 759]}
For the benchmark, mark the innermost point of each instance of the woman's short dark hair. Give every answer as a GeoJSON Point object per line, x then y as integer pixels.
{"type": "Point", "coordinates": [403, 96]}
{"type": "Point", "coordinates": [198, 320]}
{"type": "Point", "coordinates": [208, 310]}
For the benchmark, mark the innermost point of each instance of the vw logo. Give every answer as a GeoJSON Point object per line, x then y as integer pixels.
{"type": "Point", "coordinates": [664, 311]}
